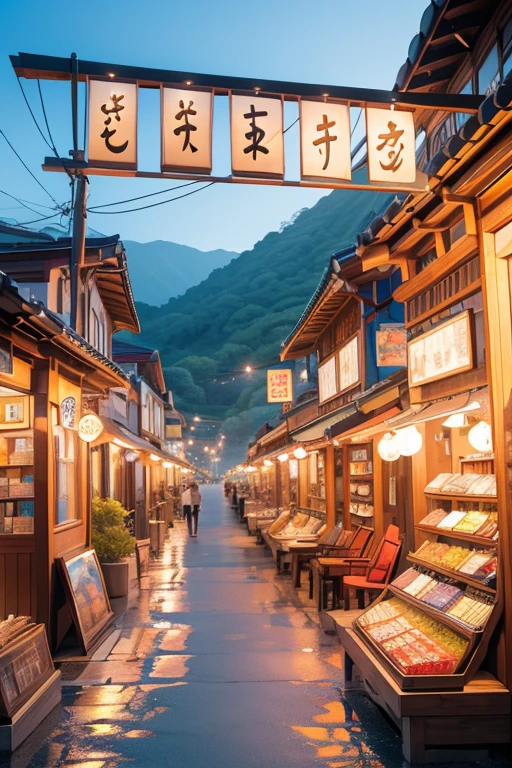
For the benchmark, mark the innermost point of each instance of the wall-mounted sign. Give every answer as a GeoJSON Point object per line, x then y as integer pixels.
{"type": "Point", "coordinates": [90, 427]}
{"type": "Point", "coordinates": [112, 124]}
{"type": "Point", "coordinates": [391, 341]}
{"type": "Point", "coordinates": [443, 351]}
{"type": "Point", "coordinates": [327, 380]}
{"type": "Point", "coordinates": [257, 147]}
{"type": "Point", "coordinates": [325, 141]}
{"type": "Point", "coordinates": [279, 386]}
{"type": "Point", "coordinates": [349, 364]}
{"type": "Point", "coordinates": [186, 130]}
{"type": "Point", "coordinates": [391, 143]}
{"type": "Point", "coordinates": [68, 412]}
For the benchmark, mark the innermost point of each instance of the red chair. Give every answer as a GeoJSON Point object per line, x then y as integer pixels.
{"type": "Point", "coordinates": [326, 570]}
{"type": "Point", "coordinates": [375, 577]}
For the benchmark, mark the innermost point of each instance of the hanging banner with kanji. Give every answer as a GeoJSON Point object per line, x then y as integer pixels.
{"type": "Point", "coordinates": [186, 130]}
{"type": "Point", "coordinates": [391, 142]}
{"type": "Point", "coordinates": [324, 141]}
{"type": "Point", "coordinates": [112, 129]}
{"type": "Point", "coordinates": [279, 385]}
{"type": "Point", "coordinates": [257, 147]}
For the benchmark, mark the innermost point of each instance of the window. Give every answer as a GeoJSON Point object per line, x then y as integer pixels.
{"type": "Point", "coordinates": [66, 454]}
{"type": "Point", "coordinates": [506, 48]}
{"type": "Point", "coordinates": [488, 75]}
{"type": "Point", "coordinates": [462, 117]}
{"type": "Point", "coordinates": [439, 136]}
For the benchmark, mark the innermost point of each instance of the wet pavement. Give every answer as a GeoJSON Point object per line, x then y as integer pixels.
{"type": "Point", "coordinates": [220, 664]}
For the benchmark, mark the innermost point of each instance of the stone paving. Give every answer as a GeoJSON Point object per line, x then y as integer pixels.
{"type": "Point", "coordinates": [220, 664]}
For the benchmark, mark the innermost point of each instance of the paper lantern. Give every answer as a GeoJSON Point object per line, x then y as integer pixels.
{"type": "Point", "coordinates": [480, 437]}
{"type": "Point", "coordinates": [300, 453]}
{"type": "Point", "coordinates": [282, 457]}
{"type": "Point", "coordinates": [267, 463]}
{"type": "Point", "coordinates": [387, 448]}
{"type": "Point", "coordinates": [408, 441]}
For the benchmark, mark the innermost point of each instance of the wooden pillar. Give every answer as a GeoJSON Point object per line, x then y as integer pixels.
{"type": "Point", "coordinates": [347, 522]}
{"type": "Point", "coordinates": [44, 491]}
{"type": "Point", "coordinates": [496, 289]}
{"type": "Point", "coordinates": [303, 482]}
{"type": "Point", "coordinates": [330, 487]}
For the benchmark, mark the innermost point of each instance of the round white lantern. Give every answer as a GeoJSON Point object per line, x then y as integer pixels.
{"type": "Point", "coordinates": [408, 441]}
{"type": "Point", "coordinates": [480, 437]}
{"type": "Point", "coordinates": [387, 448]}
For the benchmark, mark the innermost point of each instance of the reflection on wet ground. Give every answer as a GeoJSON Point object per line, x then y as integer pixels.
{"type": "Point", "coordinates": [219, 664]}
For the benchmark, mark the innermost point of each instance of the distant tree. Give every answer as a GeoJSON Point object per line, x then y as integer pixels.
{"type": "Point", "coordinates": [201, 368]}
{"type": "Point", "coordinates": [187, 394]}
{"type": "Point", "coordinates": [233, 356]}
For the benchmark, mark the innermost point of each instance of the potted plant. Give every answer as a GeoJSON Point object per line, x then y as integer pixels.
{"type": "Point", "coordinates": [113, 543]}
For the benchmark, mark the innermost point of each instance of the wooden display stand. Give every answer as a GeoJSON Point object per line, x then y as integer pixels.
{"type": "Point", "coordinates": [31, 715]}
{"type": "Point", "coordinates": [477, 714]}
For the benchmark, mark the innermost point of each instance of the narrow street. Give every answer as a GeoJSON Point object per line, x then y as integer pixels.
{"type": "Point", "coordinates": [218, 665]}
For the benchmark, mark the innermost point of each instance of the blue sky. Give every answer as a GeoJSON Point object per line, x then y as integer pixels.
{"type": "Point", "coordinates": [338, 42]}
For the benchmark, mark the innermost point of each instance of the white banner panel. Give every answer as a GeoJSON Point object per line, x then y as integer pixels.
{"type": "Point", "coordinates": [186, 130]}
{"type": "Point", "coordinates": [325, 141]}
{"type": "Point", "coordinates": [327, 380]}
{"type": "Point", "coordinates": [391, 142]}
{"type": "Point", "coordinates": [257, 136]}
{"type": "Point", "coordinates": [112, 124]}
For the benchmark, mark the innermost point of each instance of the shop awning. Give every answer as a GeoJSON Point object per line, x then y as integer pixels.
{"type": "Point", "coordinates": [316, 430]}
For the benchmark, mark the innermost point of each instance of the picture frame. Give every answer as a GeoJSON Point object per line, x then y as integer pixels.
{"type": "Point", "coordinates": [25, 665]}
{"type": "Point", "coordinates": [142, 555]}
{"type": "Point", "coordinates": [348, 365]}
{"type": "Point", "coordinates": [445, 350]}
{"type": "Point", "coordinates": [391, 346]}
{"type": "Point", "coordinates": [87, 597]}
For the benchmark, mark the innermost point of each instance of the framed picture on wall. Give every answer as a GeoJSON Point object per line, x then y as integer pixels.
{"type": "Point", "coordinates": [443, 351]}
{"type": "Point", "coordinates": [86, 596]}
{"type": "Point", "coordinates": [327, 384]}
{"type": "Point", "coordinates": [348, 358]}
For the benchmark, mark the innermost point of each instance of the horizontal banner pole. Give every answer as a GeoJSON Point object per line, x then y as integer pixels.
{"type": "Point", "coordinates": [33, 66]}
{"type": "Point", "coordinates": [63, 165]}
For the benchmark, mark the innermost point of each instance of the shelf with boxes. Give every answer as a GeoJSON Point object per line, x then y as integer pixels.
{"type": "Point", "coordinates": [16, 482]}
{"type": "Point", "coordinates": [361, 484]}
{"type": "Point", "coordinates": [432, 626]}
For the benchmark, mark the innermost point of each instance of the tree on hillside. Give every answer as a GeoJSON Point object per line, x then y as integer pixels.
{"type": "Point", "coordinates": [231, 357]}
{"type": "Point", "coordinates": [201, 368]}
{"type": "Point", "coordinates": [187, 395]}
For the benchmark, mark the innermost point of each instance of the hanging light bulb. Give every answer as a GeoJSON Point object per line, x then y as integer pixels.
{"type": "Point", "coordinates": [282, 457]}
{"type": "Point", "coordinates": [300, 453]}
{"type": "Point", "coordinates": [480, 437]}
{"type": "Point", "coordinates": [387, 448]}
{"type": "Point", "coordinates": [408, 441]}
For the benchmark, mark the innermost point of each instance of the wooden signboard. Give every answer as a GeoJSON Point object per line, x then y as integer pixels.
{"type": "Point", "coordinates": [443, 351]}
{"type": "Point", "coordinates": [86, 596]}
{"type": "Point", "coordinates": [25, 665]}
{"type": "Point", "coordinates": [142, 553]}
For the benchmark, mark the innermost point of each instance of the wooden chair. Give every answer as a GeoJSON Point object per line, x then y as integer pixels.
{"type": "Point", "coordinates": [335, 562]}
{"type": "Point", "coordinates": [374, 577]}
{"type": "Point", "coordinates": [302, 554]}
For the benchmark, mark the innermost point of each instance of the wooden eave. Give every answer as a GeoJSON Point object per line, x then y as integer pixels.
{"type": "Point", "coordinates": [305, 340]}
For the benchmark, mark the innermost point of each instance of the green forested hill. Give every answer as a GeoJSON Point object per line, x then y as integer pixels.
{"type": "Point", "coordinates": [242, 312]}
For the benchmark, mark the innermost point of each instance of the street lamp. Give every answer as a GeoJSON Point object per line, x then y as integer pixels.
{"type": "Point", "coordinates": [190, 442]}
{"type": "Point", "coordinates": [196, 418]}
{"type": "Point", "coordinates": [248, 369]}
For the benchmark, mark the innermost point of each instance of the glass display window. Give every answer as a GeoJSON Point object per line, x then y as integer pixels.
{"type": "Point", "coordinates": [16, 463]}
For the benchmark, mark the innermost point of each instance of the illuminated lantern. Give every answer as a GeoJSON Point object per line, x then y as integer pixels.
{"type": "Point", "coordinates": [480, 437]}
{"type": "Point", "coordinates": [387, 448]}
{"type": "Point", "coordinates": [300, 453]}
{"type": "Point", "coordinates": [282, 457]}
{"type": "Point", "coordinates": [408, 441]}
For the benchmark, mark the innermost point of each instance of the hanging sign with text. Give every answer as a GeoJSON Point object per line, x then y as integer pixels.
{"type": "Point", "coordinates": [112, 124]}
{"type": "Point", "coordinates": [257, 147]}
{"type": "Point", "coordinates": [279, 386]}
{"type": "Point", "coordinates": [325, 141]}
{"type": "Point", "coordinates": [186, 130]}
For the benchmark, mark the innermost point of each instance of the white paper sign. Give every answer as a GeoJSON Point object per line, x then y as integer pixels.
{"type": "Point", "coordinates": [257, 136]}
{"type": "Point", "coordinates": [325, 141]}
{"type": "Point", "coordinates": [327, 383]}
{"type": "Point", "coordinates": [112, 124]}
{"type": "Point", "coordinates": [186, 130]}
{"type": "Point", "coordinates": [391, 142]}
{"type": "Point", "coordinates": [349, 364]}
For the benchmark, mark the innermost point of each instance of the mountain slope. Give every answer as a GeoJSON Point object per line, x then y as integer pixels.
{"type": "Point", "coordinates": [160, 269]}
{"type": "Point", "coordinates": [242, 312]}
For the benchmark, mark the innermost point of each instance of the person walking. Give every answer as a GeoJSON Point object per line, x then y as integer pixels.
{"type": "Point", "coordinates": [186, 503]}
{"type": "Point", "coordinates": [195, 506]}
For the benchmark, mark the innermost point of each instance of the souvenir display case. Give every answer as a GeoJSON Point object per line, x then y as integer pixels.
{"type": "Point", "coordinates": [16, 463]}
{"type": "Point", "coordinates": [29, 685]}
{"type": "Point", "coordinates": [432, 627]}
{"type": "Point", "coordinates": [361, 485]}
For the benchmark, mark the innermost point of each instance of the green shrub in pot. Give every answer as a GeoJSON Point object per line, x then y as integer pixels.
{"type": "Point", "coordinates": [110, 537]}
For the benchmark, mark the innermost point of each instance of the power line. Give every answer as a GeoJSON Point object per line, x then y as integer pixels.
{"type": "Point", "coordinates": [44, 218]}
{"type": "Point", "coordinates": [29, 171]}
{"type": "Point", "coordinates": [142, 197]}
{"type": "Point", "coordinates": [22, 202]}
{"type": "Point", "coordinates": [33, 116]}
{"type": "Point", "coordinates": [53, 147]}
{"type": "Point", "coordinates": [153, 205]}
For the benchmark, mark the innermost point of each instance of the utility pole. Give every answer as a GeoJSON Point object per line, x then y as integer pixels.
{"type": "Point", "coordinates": [79, 212]}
